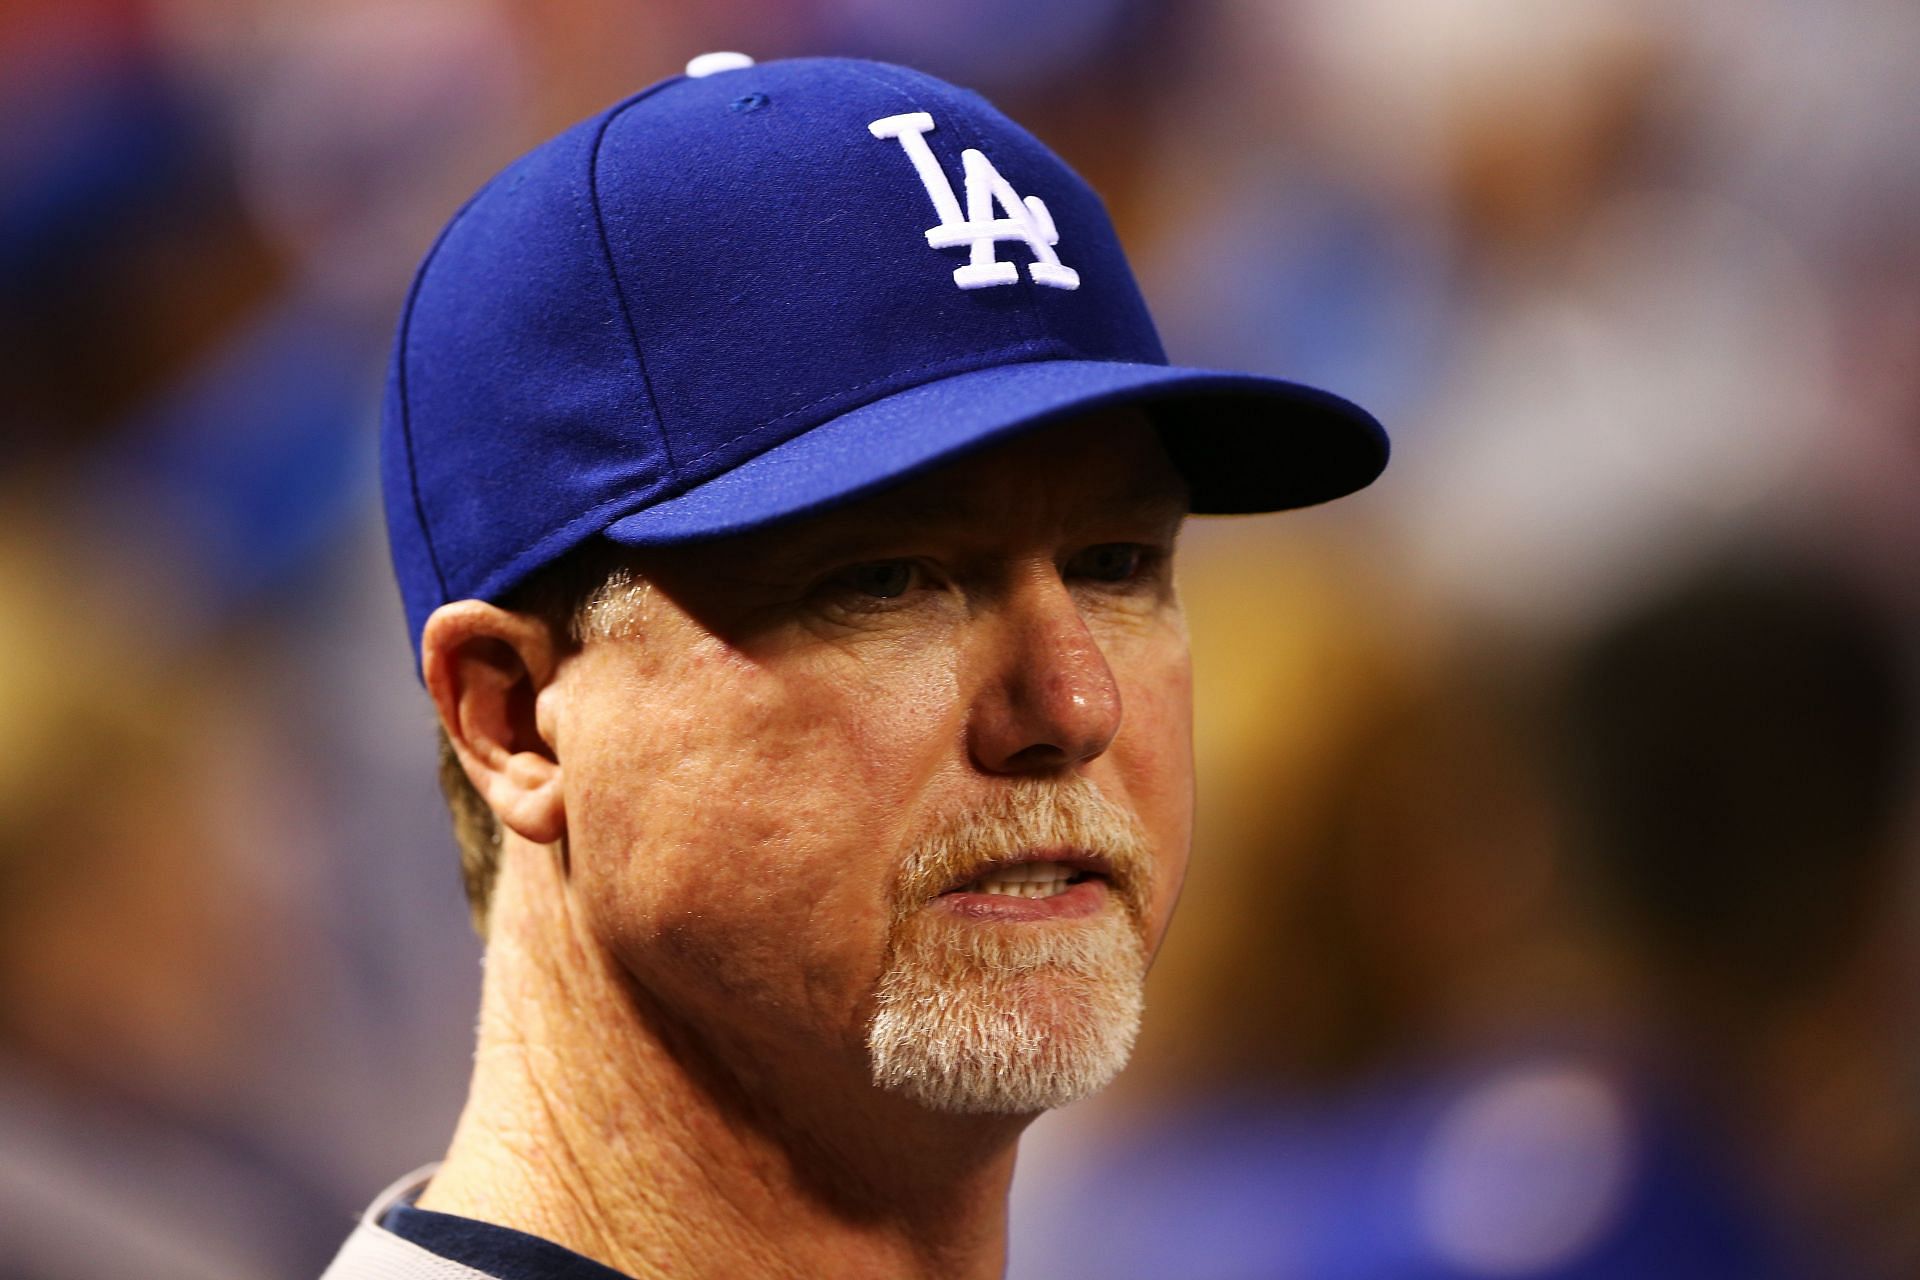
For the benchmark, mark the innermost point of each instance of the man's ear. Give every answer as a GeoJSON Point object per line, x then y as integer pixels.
{"type": "Point", "coordinates": [485, 667]}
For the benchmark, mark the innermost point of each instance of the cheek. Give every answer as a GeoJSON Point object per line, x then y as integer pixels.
{"type": "Point", "coordinates": [735, 827]}
{"type": "Point", "coordinates": [1153, 757]}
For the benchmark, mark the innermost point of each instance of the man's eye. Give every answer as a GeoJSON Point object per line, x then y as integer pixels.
{"type": "Point", "coordinates": [1108, 562]}
{"type": "Point", "coordinates": [880, 579]}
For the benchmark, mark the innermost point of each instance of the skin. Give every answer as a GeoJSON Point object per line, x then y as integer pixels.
{"type": "Point", "coordinates": [705, 816]}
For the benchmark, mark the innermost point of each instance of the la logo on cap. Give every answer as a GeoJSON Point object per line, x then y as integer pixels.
{"type": "Point", "coordinates": [1025, 218]}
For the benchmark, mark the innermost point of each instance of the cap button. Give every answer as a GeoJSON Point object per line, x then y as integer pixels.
{"type": "Point", "coordinates": [709, 63]}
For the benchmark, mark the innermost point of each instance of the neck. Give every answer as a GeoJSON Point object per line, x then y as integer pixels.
{"type": "Point", "coordinates": [598, 1121]}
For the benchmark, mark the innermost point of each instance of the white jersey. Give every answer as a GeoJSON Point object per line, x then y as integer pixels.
{"type": "Point", "coordinates": [374, 1253]}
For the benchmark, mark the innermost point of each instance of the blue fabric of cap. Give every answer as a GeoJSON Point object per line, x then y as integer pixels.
{"type": "Point", "coordinates": [715, 305]}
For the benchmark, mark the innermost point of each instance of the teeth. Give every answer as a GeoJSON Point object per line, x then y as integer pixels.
{"type": "Point", "coordinates": [1026, 880]}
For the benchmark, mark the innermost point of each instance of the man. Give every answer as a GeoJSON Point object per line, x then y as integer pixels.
{"type": "Point", "coordinates": [783, 476]}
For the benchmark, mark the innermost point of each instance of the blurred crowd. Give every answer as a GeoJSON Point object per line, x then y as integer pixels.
{"type": "Point", "coordinates": [1553, 909]}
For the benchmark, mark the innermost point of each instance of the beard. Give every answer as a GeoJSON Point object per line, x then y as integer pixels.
{"type": "Point", "coordinates": [1007, 1020]}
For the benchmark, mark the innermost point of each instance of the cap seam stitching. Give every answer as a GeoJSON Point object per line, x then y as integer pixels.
{"type": "Point", "coordinates": [613, 270]}
{"type": "Point", "coordinates": [406, 399]}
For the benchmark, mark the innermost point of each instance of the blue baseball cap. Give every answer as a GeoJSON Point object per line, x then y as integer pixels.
{"type": "Point", "coordinates": [755, 291]}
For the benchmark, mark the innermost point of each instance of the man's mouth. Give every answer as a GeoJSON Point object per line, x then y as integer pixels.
{"type": "Point", "coordinates": [1026, 880]}
{"type": "Point", "coordinates": [1036, 876]}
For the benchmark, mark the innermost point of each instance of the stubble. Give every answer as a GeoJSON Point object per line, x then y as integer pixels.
{"type": "Point", "coordinates": [980, 1018]}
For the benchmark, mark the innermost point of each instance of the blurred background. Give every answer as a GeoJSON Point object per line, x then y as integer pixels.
{"type": "Point", "coordinates": [1554, 906]}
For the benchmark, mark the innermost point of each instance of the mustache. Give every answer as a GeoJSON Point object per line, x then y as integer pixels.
{"type": "Point", "coordinates": [1020, 819]}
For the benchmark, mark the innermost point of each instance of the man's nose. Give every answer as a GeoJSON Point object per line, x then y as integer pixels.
{"type": "Point", "coordinates": [1047, 699]}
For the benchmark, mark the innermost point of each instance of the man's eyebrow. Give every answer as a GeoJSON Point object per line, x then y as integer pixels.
{"type": "Point", "coordinates": [890, 522]}
{"type": "Point", "coordinates": [1157, 503]}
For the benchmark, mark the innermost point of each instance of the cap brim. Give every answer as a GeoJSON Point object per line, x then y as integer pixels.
{"type": "Point", "coordinates": [1244, 443]}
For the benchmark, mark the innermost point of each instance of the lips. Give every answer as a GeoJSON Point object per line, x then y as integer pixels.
{"type": "Point", "coordinates": [1033, 886]}
{"type": "Point", "coordinates": [1026, 880]}
{"type": "Point", "coordinates": [1035, 875]}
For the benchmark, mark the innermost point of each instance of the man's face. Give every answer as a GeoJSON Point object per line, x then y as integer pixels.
{"type": "Point", "coordinates": [905, 784]}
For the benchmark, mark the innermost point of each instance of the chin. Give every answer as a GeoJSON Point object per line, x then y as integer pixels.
{"type": "Point", "coordinates": [1006, 1021]}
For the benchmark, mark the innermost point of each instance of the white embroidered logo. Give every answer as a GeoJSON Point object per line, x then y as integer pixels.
{"type": "Point", "coordinates": [1026, 219]}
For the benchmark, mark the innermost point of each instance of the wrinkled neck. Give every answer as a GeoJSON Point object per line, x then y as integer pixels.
{"type": "Point", "coordinates": [598, 1120]}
